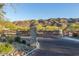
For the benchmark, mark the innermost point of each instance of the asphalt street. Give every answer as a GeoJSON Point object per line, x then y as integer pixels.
{"type": "Point", "coordinates": [57, 47]}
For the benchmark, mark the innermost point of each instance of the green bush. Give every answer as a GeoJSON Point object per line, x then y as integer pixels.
{"type": "Point", "coordinates": [5, 48]}
{"type": "Point", "coordinates": [23, 41]}
{"type": "Point", "coordinates": [28, 44]}
{"type": "Point", "coordinates": [18, 39]}
{"type": "Point", "coordinates": [75, 35]}
{"type": "Point", "coordinates": [10, 39]}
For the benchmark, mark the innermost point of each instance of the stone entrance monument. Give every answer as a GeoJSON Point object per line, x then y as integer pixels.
{"type": "Point", "coordinates": [33, 32]}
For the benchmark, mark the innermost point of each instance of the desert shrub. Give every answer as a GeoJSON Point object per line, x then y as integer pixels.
{"type": "Point", "coordinates": [5, 48]}
{"type": "Point", "coordinates": [28, 44]}
{"type": "Point", "coordinates": [75, 35]}
{"type": "Point", "coordinates": [18, 39]}
{"type": "Point", "coordinates": [10, 39]}
{"type": "Point", "coordinates": [23, 41]}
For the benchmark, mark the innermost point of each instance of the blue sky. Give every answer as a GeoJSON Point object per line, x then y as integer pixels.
{"type": "Point", "coordinates": [21, 11]}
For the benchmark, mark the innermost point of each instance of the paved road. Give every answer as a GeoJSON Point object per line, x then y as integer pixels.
{"type": "Point", "coordinates": [57, 47]}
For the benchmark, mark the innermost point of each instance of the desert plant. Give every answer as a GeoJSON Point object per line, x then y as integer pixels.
{"type": "Point", "coordinates": [23, 41]}
{"type": "Point", "coordinates": [18, 39]}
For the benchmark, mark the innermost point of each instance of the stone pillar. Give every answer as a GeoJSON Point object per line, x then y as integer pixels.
{"type": "Point", "coordinates": [61, 32]}
{"type": "Point", "coordinates": [33, 32]}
